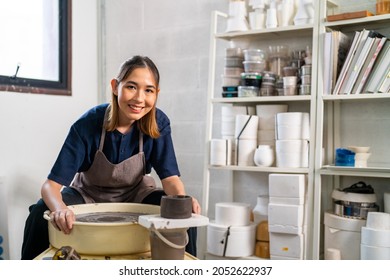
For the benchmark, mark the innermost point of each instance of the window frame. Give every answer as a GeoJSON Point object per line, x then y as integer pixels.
{"type": "Point", "coordinates": [64, 85]}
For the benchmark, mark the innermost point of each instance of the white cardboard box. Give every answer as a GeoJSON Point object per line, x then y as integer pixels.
{"type": "Point", "coordinates": [286, 229]}
{"type": "Point", "coordinates": [285, 218]}
{"type": "Point", "coordinates": [286, 245]}
{"type": "Point", "coordinates": [286, 200]}
{"type": "Point", "coordinates": [287, 186]}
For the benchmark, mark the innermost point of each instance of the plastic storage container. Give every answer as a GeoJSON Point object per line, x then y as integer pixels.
{"type": "Point", "coordinates": [231, 241]}
{"type": "Point", "coordinates": [255, 55]}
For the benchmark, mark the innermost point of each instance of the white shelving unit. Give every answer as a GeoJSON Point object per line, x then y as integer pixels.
{"type": "Point", "coordinates": [336, 120]}
{"type": "Point", "coordinates": [336, 116]}
{"type": "Point", "coordinates": [306, 34]}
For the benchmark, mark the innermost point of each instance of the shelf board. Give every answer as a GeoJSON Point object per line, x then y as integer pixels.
{"type": "Point", "coordinates": [261, 99]}
{"type": "Point", "coordinates": [379, 170]}
{"type": "Point", "coordinates": [356, 96]}
{"type": "Point", "coordinates": [304, 30]}
{"type": "Point", "coordinates": [260, 169]}
{"type": "Point", "coordinates": [379, 19]}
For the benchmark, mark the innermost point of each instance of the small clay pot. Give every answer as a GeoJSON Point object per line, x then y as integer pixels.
{"type": "Point", "coordinates": [176, 206]}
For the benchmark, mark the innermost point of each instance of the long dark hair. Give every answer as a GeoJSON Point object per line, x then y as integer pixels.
{"type": "Point", "coordinates": [147, 124]}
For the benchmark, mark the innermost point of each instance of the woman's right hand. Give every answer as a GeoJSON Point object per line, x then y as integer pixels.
{"type": "Point", "coordinates": [61, 216]}
{"type": "Point", "coordinates": [63, 219]}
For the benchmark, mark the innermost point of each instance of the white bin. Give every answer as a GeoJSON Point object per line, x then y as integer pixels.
{"type": "Point", "coordinates": [343, 234]}
{"type": "Point", "coordinates": [234, 241]}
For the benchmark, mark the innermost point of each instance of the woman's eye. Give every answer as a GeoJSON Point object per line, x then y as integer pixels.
{"type": "Point", "coordinates": [149, 91]}
{"type": "Point", "coordinates": [131, 87]}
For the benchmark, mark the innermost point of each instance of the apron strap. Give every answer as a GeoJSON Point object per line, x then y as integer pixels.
{"type": "Point", "coordinates": [141, 141]}
{"type": "Point", "coordinates": [103, 134]}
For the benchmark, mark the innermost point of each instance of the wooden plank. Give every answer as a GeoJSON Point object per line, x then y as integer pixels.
{"type": "Point", "coordinates": [344, 16]}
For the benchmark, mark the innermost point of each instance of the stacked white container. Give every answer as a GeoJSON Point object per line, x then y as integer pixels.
{"type": "Point", "coordinates": [286, 216]}
{"type": "Point", "coordinates": [231, 234]}
{"type": "Point", "coordinates": [292, 139]}
{"type": "Point", "coordinates": [246, 139]}
{"type": "Point", "coordinates": [375, 239]}
{"type": "Point", "coordinates": [222, 150]}
{"type": "Point", "coordinates": [266, 129]}
{"type": "Point", "coordinates": [341, 237]}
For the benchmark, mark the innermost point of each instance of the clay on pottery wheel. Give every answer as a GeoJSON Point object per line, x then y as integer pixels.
{"type": "Point", "coordinates": [176, 206]}
{"type": "Point", "coordinates": [108, 217]}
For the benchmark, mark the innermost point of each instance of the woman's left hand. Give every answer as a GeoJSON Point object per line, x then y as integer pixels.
{"type": "Point", "coordinates": [174, 186]}
{"type": "Point", "coordinates": [195, 206]}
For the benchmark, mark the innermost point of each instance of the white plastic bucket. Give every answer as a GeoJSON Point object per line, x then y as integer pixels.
{"type": "Point", "coordinates": [343, 234]}
{"type": "Point", "coordinates": [231, 241]}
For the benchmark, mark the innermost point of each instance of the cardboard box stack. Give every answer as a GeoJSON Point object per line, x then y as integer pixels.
{"type": "Point", "coordinates": [286, 216]}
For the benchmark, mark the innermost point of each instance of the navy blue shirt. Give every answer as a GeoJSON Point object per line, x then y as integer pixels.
{"type": "Point", "coordinates": [82, 142]}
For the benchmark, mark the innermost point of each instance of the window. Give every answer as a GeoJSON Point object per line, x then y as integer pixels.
{"type": "Point", "coordinates": [35, 50]}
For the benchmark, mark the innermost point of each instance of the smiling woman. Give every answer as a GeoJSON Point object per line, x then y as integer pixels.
{"type": "Point", "coordinates": [35, 54]}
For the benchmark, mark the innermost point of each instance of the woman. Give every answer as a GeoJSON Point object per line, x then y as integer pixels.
{"type": "Point", "coordinates": [107, 155]}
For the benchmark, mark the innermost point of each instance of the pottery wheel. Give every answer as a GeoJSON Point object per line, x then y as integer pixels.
{"type": "Point", "coordinates": [108, 217]}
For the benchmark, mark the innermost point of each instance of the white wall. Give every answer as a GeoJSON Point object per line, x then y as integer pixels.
{"type": "Point", "coordinates": [176, 36]}
{"type": "Point", "coordinates": [34, 126]}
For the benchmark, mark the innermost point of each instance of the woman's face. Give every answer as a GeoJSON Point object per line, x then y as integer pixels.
{"type": "Point", "coordinates": [137, 94]}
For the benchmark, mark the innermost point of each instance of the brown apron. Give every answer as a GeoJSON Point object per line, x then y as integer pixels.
{"type": "Point", "coordinates": [108, 182]}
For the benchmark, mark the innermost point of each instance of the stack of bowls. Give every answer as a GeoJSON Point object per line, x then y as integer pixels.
{"type": "Point", "coordinates": [361, 155]}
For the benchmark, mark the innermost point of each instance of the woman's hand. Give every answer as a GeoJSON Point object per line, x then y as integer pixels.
{"type": "Point", "coordinates": [174, 186]}
{"type": "Point", "coordinates": [195, 206]}
{"type": "Point", "coordinates": [63, 220]}
{"type": "Point", "coordinates": [61, 216]}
